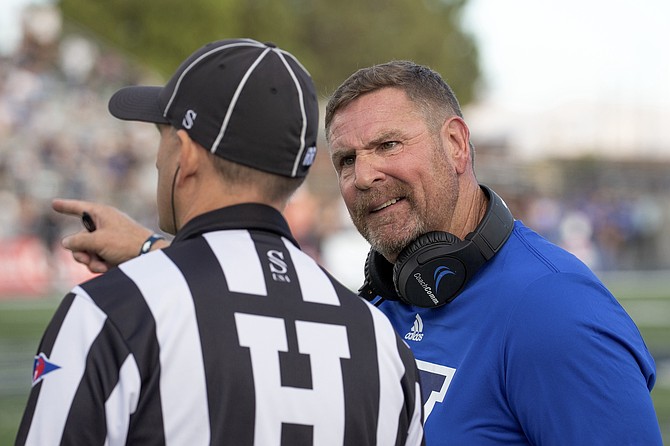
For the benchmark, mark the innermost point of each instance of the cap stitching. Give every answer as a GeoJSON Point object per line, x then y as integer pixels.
{"type": "Point", "coordinates": [233, 101]}
{"type": "Point", "coordinates": [294, 59]}
{"type": "Point", "coordinates": [195, 62]}
{"type": "Point", "coordinates": [303, 114]}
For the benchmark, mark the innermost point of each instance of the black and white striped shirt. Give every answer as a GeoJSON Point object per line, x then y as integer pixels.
{"type": "Point", "coordinates": [232, 335]}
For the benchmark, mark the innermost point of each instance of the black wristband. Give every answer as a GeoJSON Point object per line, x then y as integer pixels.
{"type": "Point", "coordinates": [148, 243]}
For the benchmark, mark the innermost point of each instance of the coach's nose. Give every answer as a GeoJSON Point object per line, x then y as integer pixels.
{"type": "Point", "coordinates": [366, 172]}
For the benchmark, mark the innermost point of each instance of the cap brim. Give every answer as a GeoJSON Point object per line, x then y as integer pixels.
{"type": "Point", "coordinates": [138, 103]}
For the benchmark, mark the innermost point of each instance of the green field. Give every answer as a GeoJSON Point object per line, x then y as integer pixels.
{"type": "Point", "coordinates": [22, 323]}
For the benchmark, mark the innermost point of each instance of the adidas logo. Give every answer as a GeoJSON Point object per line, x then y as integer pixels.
{"type": "Point", "coordinates": [416, 333]}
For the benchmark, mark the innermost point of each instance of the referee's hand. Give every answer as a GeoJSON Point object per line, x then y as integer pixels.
{"type": "Point", "coordinates": [115, 238]}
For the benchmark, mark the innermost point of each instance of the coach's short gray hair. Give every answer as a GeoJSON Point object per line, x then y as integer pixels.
{"type": "Point", "coordinates": [423, 86]}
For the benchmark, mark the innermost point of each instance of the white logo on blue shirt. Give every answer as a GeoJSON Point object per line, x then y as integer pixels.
{"type": "Point", "coordinates": [416, 332]}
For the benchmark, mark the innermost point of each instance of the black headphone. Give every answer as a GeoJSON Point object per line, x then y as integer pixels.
{"type": "Point", "coordinates": [434, 268]}
{"type": "Point", "coordinates": [174, 213]}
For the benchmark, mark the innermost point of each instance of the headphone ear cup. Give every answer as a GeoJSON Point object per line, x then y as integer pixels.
{"type": "Point", "coordinates": [427, 239]}
{"type": "Point", "coordinates": [433, 269]}
{"type": "Point", "coordinates": [379, 277]}
{"type": "Point", "coordinates": [438, 245]}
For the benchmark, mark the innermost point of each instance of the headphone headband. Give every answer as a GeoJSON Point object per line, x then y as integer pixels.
{"type": "Point", "coordinates": [495, 227]}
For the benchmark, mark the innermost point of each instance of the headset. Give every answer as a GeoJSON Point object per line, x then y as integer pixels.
{"type": "Point", "coordinates": [174, 212]}
{"type": "Point", "coordinates": [435, 267]}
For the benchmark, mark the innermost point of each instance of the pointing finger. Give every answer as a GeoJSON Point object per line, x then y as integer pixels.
{"type": "Point", "coordinates": [71, 207]}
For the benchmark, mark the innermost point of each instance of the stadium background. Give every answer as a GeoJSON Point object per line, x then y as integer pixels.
{"type": "Point", "coordinates": [56, 139]}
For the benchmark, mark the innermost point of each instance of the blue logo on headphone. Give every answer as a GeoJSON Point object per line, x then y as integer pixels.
{"type": "Point", "coordinates": [439, 273]}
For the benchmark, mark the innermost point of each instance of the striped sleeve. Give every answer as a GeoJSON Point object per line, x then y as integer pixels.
{"type": "Point", "coordinates": [72, 378]}
{"type": "Point", "coordinates": [45, 348]}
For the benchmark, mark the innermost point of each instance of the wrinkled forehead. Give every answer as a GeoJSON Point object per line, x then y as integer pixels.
{"type": "Point", "coordinates": [383, 111]}
{"type": "Point", "coordinates": [378, 115]}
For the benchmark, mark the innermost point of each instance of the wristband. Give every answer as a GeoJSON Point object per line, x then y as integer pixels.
{"type": "Point", "coordinates": [148, 243]}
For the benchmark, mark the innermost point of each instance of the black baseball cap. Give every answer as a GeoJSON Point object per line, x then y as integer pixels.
{"type": "Point", "coordinates": [248, 102]}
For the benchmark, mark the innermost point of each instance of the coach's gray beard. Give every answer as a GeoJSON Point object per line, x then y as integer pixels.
{"type": "Point", "coordinates": [403, 234]}
{"type": "Point", "coordinates": [391, 248]}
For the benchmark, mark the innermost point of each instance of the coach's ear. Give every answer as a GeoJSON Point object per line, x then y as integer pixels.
{"type": "Point", "coordinates": [456, 139]}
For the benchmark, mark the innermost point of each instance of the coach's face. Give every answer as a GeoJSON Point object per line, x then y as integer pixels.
{"type": "Point", "coordinates": [167, 162]}
{"type": "Point", "coordinates": [396, 176]}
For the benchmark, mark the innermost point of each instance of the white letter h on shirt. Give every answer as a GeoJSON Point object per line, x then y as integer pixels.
{"type": "Point", "coordinates": [322, 406]}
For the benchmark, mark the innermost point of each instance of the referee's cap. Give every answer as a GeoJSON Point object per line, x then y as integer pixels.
{"type": "Point", "coordinates": [248, 102]}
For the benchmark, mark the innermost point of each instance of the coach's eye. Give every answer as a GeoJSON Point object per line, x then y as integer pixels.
{"type": "Point", "coordinates": [388, 145]}
{"type": "Point", "coordinates": [347, 161]}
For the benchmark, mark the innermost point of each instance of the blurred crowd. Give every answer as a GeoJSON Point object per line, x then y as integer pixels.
{"type": "Point", "coordinates": [56, 137]}
{"type": "Point", "coordinates": [58, 140]}
{"type": "Point", "coordinates": [607, 231]}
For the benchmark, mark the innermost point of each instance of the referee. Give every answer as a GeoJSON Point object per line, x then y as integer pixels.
{"type": "Point", "coordinates": [232, 335]}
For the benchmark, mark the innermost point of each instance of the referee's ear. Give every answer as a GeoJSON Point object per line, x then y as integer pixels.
{"type": "Point", "coordinates": [191, 154]}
